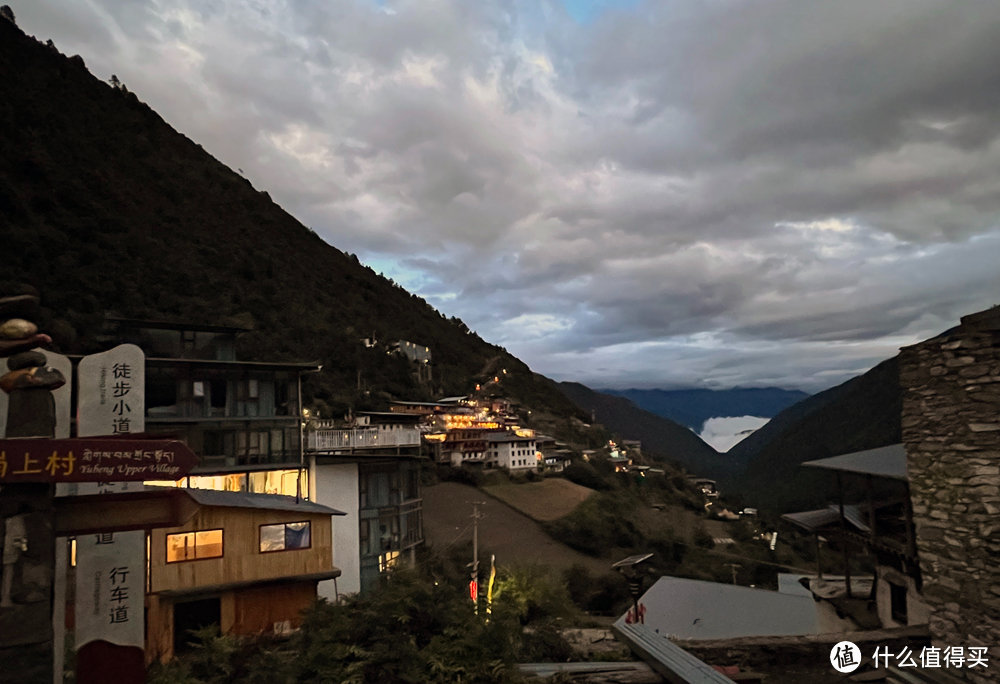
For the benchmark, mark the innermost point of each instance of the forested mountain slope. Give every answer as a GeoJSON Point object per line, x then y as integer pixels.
{"type": "Point", "coordinates": [104, 208]}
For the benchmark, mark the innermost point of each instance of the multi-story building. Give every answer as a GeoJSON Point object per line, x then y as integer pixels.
{"type": "Point", "coordinates": [369, 468]}
{"type": "Point", "coordinates": [242, 418]}
{"type": "Point", "coordinates": [513, 450]}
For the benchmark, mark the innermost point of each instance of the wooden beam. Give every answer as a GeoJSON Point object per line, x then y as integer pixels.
{"type": "Point", "coordinates": [843, 528]}
{"type": "Point", "coordinates": [121, 512]}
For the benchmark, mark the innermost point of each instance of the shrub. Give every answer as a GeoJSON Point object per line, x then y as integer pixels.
{"type": "Point", "coordinates": [605, 594]}
{"type": "Point", "coordinates": [584, 474]}
{"type": "Point", "coordinates": [601, 523]}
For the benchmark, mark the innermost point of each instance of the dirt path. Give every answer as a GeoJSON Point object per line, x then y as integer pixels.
{"type": "Point", "coordinates": [512, 536]}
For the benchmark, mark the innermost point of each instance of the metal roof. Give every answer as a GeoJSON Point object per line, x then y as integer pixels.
{"type": "Point", "coordinates": [268, 502]}
{"type": "Point", "coordinates": [507, 436]}
{"type": "Point", "coordinates": [693, 609]}
{"type": "Point", "coordinates": [888, 461]}
{"type": "Point", "coordinates": [669, 660]}
{"type": "Point", "coordinates": [249, 365]}
{"type": "Point", "coordinates": [812, 521]}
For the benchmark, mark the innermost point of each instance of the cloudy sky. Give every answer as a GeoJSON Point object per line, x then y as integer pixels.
{"type": "Point", "coordinates": [718, 193]}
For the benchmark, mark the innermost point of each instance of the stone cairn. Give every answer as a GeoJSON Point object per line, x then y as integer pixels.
{"type": "Point", "coordinates": [29, 382]}
{"type": "Point", "coordinates": [26, 535]}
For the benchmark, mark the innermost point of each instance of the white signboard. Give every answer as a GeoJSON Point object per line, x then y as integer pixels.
{"type": "Point", "coordinates": [112, 401]}
{"type": "Point", "coordinates": [61, 395]}
{"type": "Point", "coordinates": [112, 392]}
{"type": "Point", "coordinates": [110, 588]}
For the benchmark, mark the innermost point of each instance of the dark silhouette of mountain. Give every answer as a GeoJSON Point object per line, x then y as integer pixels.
{"type": "Point", "coordinates": [862, 413]}
{"type": "Point", "coordinates": [660, 436]}
{"type": "Point", "coordinates": [104, 208]}
{"type": "Point", "coordinates": [692, 407]}
{"type": "Point", "coordinates": [764, 469]}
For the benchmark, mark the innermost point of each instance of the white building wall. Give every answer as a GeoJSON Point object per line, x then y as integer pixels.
{"type": "Point", "coordinates": [337, 486]}
{"type": "Point", "coordinates": [917, 611]}
{"type": "Point", "coordinates": [516, 455]}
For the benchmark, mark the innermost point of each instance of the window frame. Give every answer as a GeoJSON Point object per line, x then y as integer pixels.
{"type": "Point", "coordinates": [260, 530]}
{"type": "Point", "coordinates": [166, 545]}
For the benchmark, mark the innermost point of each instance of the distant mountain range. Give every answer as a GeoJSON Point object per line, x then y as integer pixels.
{"type": "Point", "coordinates": [692, 407]}
{"type": "Point", "coordinates": [661, 437]}
{"type": "Point", "coordinates": [764, 469]}
{"type": "Point", "coordinates": [862, 413]}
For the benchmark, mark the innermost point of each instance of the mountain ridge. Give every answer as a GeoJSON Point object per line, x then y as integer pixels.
{"type": "Point", "coordinates": [105, 208]}
{"type": "Point", "coordinates": [693, 406]}
{"type": "Point", "coordinates": [660, 436]}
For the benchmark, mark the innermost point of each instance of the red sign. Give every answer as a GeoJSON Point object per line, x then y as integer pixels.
{"type": "Point", "coordinates": [473, 590]}
{"type": "Point", "coordinates": [93, 460]}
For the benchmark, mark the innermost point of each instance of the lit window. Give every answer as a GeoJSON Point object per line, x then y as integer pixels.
{"type": "Point", "coordinates": [284, 537]}
{"type": "Point", "coordinates": [387, 561]}
{"type": "Point", "coordinates": [187, 546]}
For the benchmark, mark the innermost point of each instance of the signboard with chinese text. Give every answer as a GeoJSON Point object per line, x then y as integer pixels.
{"type": "Point", "coordinates": [112, 392]}
{"type": "Point", "coordinates": [93, 460]}
{"type": "Point", "coordinates": [110, 588]}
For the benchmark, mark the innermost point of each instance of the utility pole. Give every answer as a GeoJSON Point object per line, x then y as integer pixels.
{"type": "Point", "coordinates": [733, 567]}
{"type": "Point", "coordinates": [474, 580]}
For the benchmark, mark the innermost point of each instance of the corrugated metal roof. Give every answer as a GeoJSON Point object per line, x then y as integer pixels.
{"type": "Point", "coordinates": [888, 461]}
{"type": "Point", "coordinates": [669, 660]}
{"type": "Point", "coordinates": [855, 516]}
{"type": "Point", "coordinates": [813, 520]}
{"type": "Point", "coordinates": [693, 609]}
{"type": "Point", "coordinates": [829, 516]}
{"type": "Point", "coordinates": [270, 502]}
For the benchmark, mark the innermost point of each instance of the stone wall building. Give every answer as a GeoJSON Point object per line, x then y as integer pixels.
{"type": "Point", "coordinates": [951, 430]}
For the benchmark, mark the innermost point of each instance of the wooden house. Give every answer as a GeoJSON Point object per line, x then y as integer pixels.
{"type": "Point", "coordinates": [249, 563]}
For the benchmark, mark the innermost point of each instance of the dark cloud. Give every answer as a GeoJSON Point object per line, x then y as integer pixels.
{"type": "Point", "coordinates": [719, 193]}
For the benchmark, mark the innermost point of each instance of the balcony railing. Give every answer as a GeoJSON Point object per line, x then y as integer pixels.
{"type": "Point", "coordinates": [362, 438]}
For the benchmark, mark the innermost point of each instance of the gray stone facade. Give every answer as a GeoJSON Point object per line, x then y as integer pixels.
{"type": "Point", "coordinates": [951, 430]}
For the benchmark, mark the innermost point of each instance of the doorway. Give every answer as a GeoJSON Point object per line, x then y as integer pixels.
{"type": "Point", "coordinates": [194, 615]}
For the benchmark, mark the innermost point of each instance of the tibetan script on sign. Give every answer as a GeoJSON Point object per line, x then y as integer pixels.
{"type": "Point", "coordinates": [93, 460]}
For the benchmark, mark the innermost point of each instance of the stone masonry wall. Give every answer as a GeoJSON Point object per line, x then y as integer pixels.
{"type": "Point", "coordinates": [951, 429]}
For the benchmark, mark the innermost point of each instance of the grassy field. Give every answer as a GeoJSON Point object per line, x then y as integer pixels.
{"type": "Point", "coordinates": [550, 499]}
{"type": "Point", "coordinates": [511, 535]}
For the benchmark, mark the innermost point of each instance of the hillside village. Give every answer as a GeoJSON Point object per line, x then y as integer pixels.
{"type": "Point", "coordinates": [368, 471]}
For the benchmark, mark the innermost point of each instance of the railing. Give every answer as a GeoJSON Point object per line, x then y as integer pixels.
{"type": "Point", "coordinates": [362, 438]}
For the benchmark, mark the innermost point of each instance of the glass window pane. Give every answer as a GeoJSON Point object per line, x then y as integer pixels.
{"type": "Point", "coordinates": [297, 535]}
{"type": "Point", "coordinates": [180, 547]}
{"type": "Point", "coordinates": [272, 538]}
{"type": "Point", "coordinates": [208, 544]}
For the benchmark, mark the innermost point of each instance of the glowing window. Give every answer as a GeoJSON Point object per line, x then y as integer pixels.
{"type": "Point", "coordinates": [187, 546]}
{"type": "Point", "coordinates": [387, 561]}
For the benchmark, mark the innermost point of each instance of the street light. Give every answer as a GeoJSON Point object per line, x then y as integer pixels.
{"type": "Point", "coordinates": [628, 567]}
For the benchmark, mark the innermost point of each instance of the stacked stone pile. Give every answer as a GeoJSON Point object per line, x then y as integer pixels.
{"type": "Point", "coordinates": [29, 382]}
